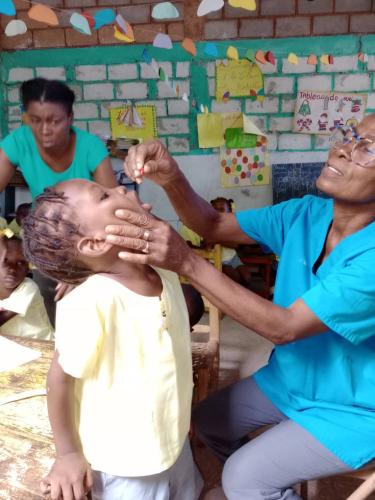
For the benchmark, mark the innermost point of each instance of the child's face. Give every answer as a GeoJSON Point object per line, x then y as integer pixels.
{"type": "Point", "coordinates": [222, 206]}
{"type": "Point", "coordinates": [95, 205]}
{"type": "Point", "coordinates": [13, 265]}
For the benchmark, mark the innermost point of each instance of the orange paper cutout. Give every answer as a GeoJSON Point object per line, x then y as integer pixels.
{"type": "Point", "coordinates": [312, 59]}
{"type": "Point", "coordinates": [260, 57]}
{"type": "Point", "coordinates": [189, 46]}
{"type": "Point", "coordinates": [43, 14]}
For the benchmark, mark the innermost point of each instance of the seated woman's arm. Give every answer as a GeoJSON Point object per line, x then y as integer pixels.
{"type": "Point", "coordinates": [104, 174]}
{"type": "Point", "coordinates": [7, 170]}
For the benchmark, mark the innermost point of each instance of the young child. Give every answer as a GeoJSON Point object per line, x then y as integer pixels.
{"type": "Point", "coordinates": [120, 383]}
{"type": "Point", "coordinates": [22, 310]}
{"type": "Point", "coordinates": [16, 224]}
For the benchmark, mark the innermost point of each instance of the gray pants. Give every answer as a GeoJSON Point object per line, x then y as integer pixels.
{"type": "Point", "coordinates": [266, 467]}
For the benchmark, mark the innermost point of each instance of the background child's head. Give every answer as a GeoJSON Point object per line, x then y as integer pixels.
{"type": "Point", "coordinates": [222, 204]}
{"type": "Point", "coordinates": [64, 235]}
{"type": "Point", "coordinates": [21, 212]}
{"type": "Point", "coordinates": [13, 265]}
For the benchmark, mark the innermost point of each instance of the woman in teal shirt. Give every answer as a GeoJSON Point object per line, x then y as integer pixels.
{"type": "Point", "coordinates": [318, 388]}
{"type": "Point", "coordinates": [49, 149]}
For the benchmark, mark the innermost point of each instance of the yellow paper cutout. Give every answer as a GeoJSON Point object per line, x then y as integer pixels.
{"type": "Point", "coordinates": [147, 115]}
{"type": "Point", "coordinates": [231, 120]}
{"type": "Point", "coordinates": [292, 58]}
{"type": "Point", "coordinates": [232, 53]}
{"type": "Point", "coordinates": [250, 128]}
{"type": "Point", "coordinates": [324, 59]}
{"type": "Point", "coordinates": [237, 78]}
{"type": "Point", "coordinates": [121, 36]}
{"type": "Point", "coordinates": [210, 134]}
{"type": "Point", "coordinates": [243, 4]}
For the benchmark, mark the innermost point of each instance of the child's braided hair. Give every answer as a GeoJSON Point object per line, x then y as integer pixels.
{"type": "Point", "coordinates": [50, 236]}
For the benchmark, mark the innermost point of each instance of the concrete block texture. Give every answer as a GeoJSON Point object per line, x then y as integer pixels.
{"type": "Point", "coordinates": [352, 82]}
{"type": "Point", "coordinates": [341, 64]}
{"type": "Point", "coordinates": [268, 105]}
{"type": "Point", "coordinates": [350, 6]}
{"type": "Point", "coordinates": [122, 72]}
{"type": "Point", "coordinates": [167, 126]}
{"type": "Point", "coordinates": [292, 26]}
{"type": "Point", "coordinates": [362, 23]}
{"type": "Point", "coordinates": [91, 72]}
{"type": "Point", "coordinates": [178, 145]}
{"type": "Point", "coordinates": [20, 74]}
{"type": "Point", "coordinates": [57, 73]}
{"type": "Point", "coordinates": [318, 82]}
{"type": "Point", "coordinates": [132, 90]}
{"type": "Point", "coordinates": [277, 7]}
{"type": "Point", "coordinates": [315, 7]}
{"type": "Point", "coordinates": [256, 28]}
{"type": "Point", "coordinates": [293, 142]}
{"type": "Point", "coordinates": [330, 25]}
{"type": "Point", "coordinates": [98, 91]}
{"type": "Point", "coordinates": [278, 84]}
{"type": "Point", "coordinates": [224, 30]}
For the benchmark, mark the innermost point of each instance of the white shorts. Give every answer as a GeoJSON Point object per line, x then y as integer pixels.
{"type": "Point", "coordinates": [182, 481]}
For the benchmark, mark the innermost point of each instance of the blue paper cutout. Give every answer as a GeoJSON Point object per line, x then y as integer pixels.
{"type": "Point", "coordinates": [146, 56]}
{"type": "Point", "coordinates": [210, 49]}
{"type": "Point", "coordinates": [7, 7]}
{"type": "Point", "coordinates": [103, 17]}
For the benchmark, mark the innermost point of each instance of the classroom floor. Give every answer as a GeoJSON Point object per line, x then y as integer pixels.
{"type": "Point", "coordinates": [242, 352]}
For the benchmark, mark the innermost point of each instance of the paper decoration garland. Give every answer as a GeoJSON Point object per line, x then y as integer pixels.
{"type": "Point", "coordinates": [292, 58]}
{"type": "Point", "coordinates": [165, 10]}
{"type": "Point", "coordinates": [15, 27]}
{"type": "Point", "coordinates": [162, 41]}
{"type": "Point", "coordinates": [7, 8]}
{"type": "Point", "coordinates": [80, 23]}
{"type": "Point", "coordinates": [119, 35]}
{"type": "Point", "coordinates": [259, 56]}
{"type": "Point", "coordinates": [250, 55]}
{"type": "Point", "coordinates": [125, 28]}
{"type": "Point", "coordinates": [207, 6]}
{"type": "Point", "coordinates": [232, 53]}
{"type": "Point", "coordinates": [189, 46]}
{"type": "Point", "coordinates": [363, 57]}
{"type": "Point", "coordinates": [324, 59]}
{"type": "Point", "coordinates": [210, 49]}
{"type": "Point", "coordinates": [90, 19]}
{"type": "Point", "coordinates": [43, 14]}
{"type": "Point", "coordinates": [312, 59]}
{"type": "Point", "coordinates": [243, 4]}
{"type": "Point", "coordinates": [103, 17]}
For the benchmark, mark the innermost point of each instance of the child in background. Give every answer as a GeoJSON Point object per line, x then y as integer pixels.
{"type": "Point", "coordinates": [120, 383]}
{"type": "Point", "coordinates": [16, 224]}
{"type": "Point", "coordinates": [22, 310]}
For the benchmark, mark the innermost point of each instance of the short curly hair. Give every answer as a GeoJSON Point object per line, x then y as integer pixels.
{"type": "Point", "coordinates": [50, 236]}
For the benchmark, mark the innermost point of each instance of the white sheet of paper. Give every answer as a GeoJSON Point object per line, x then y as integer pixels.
{"type": "Point", "coordinates": [13, 354]}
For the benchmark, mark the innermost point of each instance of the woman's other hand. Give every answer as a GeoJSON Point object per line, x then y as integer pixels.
{"type": "Point", "coordinates": [151, 161]}
{"type": "Point", "coordinates": [148, 240]}
{"type": "Point", "coordinates": [62, 289]}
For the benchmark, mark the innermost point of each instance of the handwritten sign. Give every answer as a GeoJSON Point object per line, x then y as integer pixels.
{"type": "Point", "coordinates": [120, 130]}
{"type": "Point", "coordinates": [238, 78]}
{"type": "Point", "coordinates": [322, 112]}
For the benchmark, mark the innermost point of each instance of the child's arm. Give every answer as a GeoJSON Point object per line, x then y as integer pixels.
{"type": "Point", "coordinates": [6, 315]}
{"type": "Point", "coordinates": [70, 476]}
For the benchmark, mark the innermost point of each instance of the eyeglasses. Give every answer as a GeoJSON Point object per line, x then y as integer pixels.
{"type": "Point", "coordinates": [363, 148]}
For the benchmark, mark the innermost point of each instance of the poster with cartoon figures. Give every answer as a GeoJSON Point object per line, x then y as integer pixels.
{"type": "Point", "coordinates": [245, 166]}
{"type": "Point", "coordinates": [322, 112]}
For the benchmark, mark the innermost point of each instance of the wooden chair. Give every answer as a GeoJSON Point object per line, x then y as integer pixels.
{"type": "Point", "coordinates": [366, 474]}
{"type": "Point", "coordinates": [265, 262]}
{"type": "Point", "coordinates": [206, 353]}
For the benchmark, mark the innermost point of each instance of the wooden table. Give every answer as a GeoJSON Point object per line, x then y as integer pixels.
{"type": "Point", "coordinates": [26, 447]}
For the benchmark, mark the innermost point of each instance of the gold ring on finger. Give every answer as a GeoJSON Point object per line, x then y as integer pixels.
{"type": "Point", "coordinates": [146, 248]}
{"type": "Point", "coordinates": [146, 235]}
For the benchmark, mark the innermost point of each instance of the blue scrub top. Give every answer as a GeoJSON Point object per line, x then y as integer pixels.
{"type": "Point", "coordinates": [325, 383]}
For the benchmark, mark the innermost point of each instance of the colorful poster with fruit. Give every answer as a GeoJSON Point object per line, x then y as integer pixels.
{"type": "Point", "coordinates": [245, 166]}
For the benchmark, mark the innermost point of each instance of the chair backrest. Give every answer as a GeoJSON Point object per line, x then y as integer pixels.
{"type": "Point", "coordinates": [367, 487]}
{"type": "Point", "coordinates": [213, 254]}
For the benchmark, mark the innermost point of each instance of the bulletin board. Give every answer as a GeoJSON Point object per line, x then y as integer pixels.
{"type": "Point", "coordinates": [323, 112]}
{"type": "Point", "coordinates": [148, 129]}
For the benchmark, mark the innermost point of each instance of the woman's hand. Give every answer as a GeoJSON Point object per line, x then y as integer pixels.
{"type": "Point", "coordinates": [62, 289]}
{"type": "Point", "coordinates": [69, 479]}
{"type": "Point", "coordinates": [151, 161]}
{"type": "Point", "coordinates": [149, 240]}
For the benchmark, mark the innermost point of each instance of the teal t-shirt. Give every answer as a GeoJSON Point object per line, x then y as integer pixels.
{"type": "Point", "coordinates": [325, 383]}
{"type": "Point", "coordinates": [21, 150]}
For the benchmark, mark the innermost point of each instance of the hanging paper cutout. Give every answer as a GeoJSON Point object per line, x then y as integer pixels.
{"type": "Point", "coordinates": [125, 28]}
{"type": "Point", "coordinates": [162, 41]}
{"type": "Point", "coordinates": [43, 14]}
{"type": "Point", "coordinates": [207, 6]}
{"type": "Point", "coordinates": [90, 19]}
{"type": "Point", "coordinates": [363, 57]}
{"type": "Point", "coordinates": [232, 53]}
{"type": "Point", "coordinates": [330, 59]}
{"type": "Point", "coordinates": [189, 46]}
{"type": "Point", "coordinates": [162, 75]}
{"type": "Point", "coordinates": [7, 8]}
{"type": "Point", "coordinates": [324, 59]}
{"type": "Point", "coordinates": [245, 166]}
{"type": "Point", "coordinates": [146, 56]}
{"type": "Point", "coordinates": [130, 117]}
{"type": "Point", "coordinates": [292, 58]}
{"type": "Point", "coordinates": [210, 49]}
{"type": "Point", "coordinates": [210, 133]}
{"type": "Point", "coordinates": [119, 35]}
{"type": "Point", "coordinates": [312, 59]}
{"type": "Point", "coordinates": [238, 78]}
{"type": "Point", "coordinates": [250, 55]}
{"type": "Point", "coordinates": [15, 27]}
{"type": "Point", "coordinates": [104, 17]}
{"type": "Point", "coordinates": [165, 10]}
{"type": "Point", "coordinates": [80, 23]}
{"type": "Point", "coordinates": [243, 4]}
{"type": "Point", "coordinates": [269, 57]}
{"type": "Point", "coordinates": [259, 56]}
{"type": "Point", "coordinates": [185, 97]}
{"type": "Point", "coordinates": [145, 114]}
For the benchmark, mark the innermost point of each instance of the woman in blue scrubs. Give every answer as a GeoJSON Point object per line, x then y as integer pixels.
{"type": "Point", "coordinates": [318, 388]}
